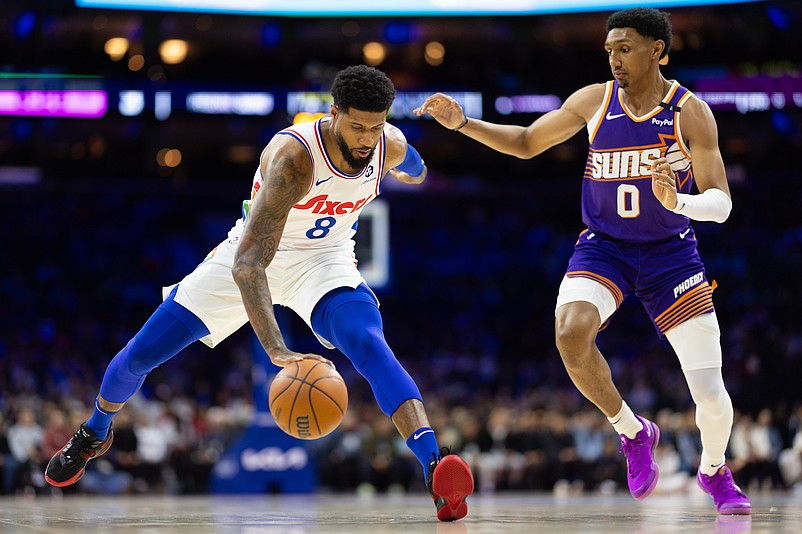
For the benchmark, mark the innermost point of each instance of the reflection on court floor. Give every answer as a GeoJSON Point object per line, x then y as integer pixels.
{"type": "Point", "coordinates": [351, 514]}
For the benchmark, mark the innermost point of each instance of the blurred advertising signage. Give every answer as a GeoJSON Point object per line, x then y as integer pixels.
{"type": "Point", "coordinates": [224, 103]}
{"type": "Point", "coordinates": [390, 7]}
{"type": "Point", "coordinates": [88, 104]}
{"type": "Point", "coordinates": [757, 93]}
{"type": "Point", "coordinates": [404, 103]}
{"type": "Point", "coordinates": [506, 105]}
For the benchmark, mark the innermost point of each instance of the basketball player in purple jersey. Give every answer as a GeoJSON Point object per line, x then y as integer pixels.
{"type": "Point", "coordinates": [650, 140]}
{"type": "Point", "coordinates": [293, 246]}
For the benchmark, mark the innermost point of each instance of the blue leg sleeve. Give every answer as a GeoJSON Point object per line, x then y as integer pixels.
{"type": "Point", "coordinates": [169, 330]}
{"type": "Point", "coordinates": [350, 319]}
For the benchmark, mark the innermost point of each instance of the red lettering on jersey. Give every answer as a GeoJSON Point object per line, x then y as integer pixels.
{"type": "Point", "coordinates": [361, 202]}
{"type": "Point", "coordinates": [312, 201]}
{"type": "Point", "coordinates": [322, 205]}
{"type": "Point", "coordinates": [343, 208]}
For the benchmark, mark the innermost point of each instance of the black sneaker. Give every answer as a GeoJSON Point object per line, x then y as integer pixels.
{"type": "Point", "coordinates": [450, 482]}
{"type": "Point", "coordinates": [69, 464]}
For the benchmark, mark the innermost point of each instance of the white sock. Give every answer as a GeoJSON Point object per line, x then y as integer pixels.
{"type": "Point", "coordinates": [625, 422]}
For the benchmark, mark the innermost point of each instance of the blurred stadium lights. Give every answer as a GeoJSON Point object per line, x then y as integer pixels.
{"type": "Point", "coordinates": [373, 53]}
{"type": "Point", "coordinates": [116, 48]}
{"type": "Point", "coordinates": [434, 53]}
{"type": "Point", "coordinates": [173, 51]}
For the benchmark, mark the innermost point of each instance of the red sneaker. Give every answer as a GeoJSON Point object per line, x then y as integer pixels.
{"type": "Point", "coordinates": [450, 482]}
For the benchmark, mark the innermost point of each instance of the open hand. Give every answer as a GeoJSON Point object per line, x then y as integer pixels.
{"type": "Point", "coordinates": [444, 109]}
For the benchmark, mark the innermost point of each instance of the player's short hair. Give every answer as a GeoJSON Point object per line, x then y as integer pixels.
{"type": "Point", "coordinates": [646, 21]}
{"type": "Point", "coordinates": [363, 88]}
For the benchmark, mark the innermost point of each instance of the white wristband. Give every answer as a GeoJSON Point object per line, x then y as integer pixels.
{"type": "Point", "coordinates": [712, 205]}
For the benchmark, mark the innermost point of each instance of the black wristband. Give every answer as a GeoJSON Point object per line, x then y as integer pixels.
{"type": "Point", "coordinates": [461, 126]}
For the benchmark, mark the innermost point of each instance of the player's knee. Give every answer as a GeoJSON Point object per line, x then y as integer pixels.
{"type": "Point", "coordinates": [707, 389]}
{"type": "Point", "coordinates": [140, 357]}
{"type": "Point", "coordinates": [575, 331]}
{"type": "Point", "coordinates": [359, 344]}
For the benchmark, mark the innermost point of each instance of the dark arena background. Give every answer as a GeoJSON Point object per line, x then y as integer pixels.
{"type": "Point", "coordinates": [128, 140]}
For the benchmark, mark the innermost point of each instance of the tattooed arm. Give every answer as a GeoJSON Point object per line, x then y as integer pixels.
{"type": "Point", "coordinates": [287, 172]}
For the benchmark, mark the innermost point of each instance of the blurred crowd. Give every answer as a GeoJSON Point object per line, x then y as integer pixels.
{"type": "Point", "coordinates": [529, 444]}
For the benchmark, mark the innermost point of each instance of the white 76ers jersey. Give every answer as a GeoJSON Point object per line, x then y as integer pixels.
{"type": "Point", "coordinates": [327, 215]}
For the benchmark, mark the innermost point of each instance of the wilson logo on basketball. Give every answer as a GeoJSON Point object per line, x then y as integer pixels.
{"type": "Point", "coordinates": [302, 427]}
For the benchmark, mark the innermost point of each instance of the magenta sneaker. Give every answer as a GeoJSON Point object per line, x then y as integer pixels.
{"type": "Point", "coordinates": [726, 494]}
{"type": "Point", "coordinates": [642, 471]}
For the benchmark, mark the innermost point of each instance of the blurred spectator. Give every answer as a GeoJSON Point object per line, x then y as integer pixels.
{"type": "Point", "coordinates": [24, 442]}
{"type": "Point", "coordinates": [756, 447]}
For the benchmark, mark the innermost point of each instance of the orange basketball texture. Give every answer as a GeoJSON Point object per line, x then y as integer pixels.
{"type": "Point", "coordinates": [308, 399]}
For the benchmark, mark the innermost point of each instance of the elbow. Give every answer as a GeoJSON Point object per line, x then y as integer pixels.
{"type": "Point", "coordinates": [725, 209]}
{"type": "Point", "coordinates": [241, 270]}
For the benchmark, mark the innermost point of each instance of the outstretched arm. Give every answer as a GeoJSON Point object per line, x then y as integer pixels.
{"type": "Point", "coordinates": [521, 141]}
{"type": "Point", "coordinates": [287, 172]}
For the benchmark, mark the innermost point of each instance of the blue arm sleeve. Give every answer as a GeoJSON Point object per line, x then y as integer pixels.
{"type": "Point", "coordinates": [412, 164]}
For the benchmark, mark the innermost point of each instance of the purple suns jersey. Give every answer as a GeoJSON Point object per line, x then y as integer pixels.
{"type": "Point", "coordinates": [617, 197]}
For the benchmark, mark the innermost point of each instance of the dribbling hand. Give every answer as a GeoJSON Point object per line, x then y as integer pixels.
{"type": "Point", "coordinates": [444, 109]}
{"type": "Point", "coordinates": [664, 183]}
{"type": "Point", "coordinates": [286, 357]}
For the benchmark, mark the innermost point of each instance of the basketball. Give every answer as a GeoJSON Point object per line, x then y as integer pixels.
{"type": "Point", "coordinates": [308, 399]}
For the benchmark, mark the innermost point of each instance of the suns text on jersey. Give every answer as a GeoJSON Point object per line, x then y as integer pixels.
{"type": "Point", "coordinates": [623, 163]}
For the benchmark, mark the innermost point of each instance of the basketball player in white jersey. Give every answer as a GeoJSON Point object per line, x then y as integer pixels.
{"type": "Point", "coordinates": [293, 246]}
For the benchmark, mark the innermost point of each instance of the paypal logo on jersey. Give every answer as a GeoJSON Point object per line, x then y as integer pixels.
{"type": "Point", "coordinates": [663, 122]}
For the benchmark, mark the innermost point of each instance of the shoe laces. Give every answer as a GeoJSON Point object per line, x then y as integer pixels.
{"type": "Point", "coordinates": [725, 485]}
{"type": "Point", "coordinates": [631, 449]}
{"type": "Point", "coordinates": [79, 445]}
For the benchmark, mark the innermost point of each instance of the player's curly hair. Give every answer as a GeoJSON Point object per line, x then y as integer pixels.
{"type": "Point", "coordinates": [363, 88]}
{"type": "Point", "coordinates": [646, 21]}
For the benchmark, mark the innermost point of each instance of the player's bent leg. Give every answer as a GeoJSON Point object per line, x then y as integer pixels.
{"type": "Point", "coordinates": [583, 305]}
{"type": "Point", "coordinates": [350, 319]}
{"type": "Point", "coordinates": [165, 334]}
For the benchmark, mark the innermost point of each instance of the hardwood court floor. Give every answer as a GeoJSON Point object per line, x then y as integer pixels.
{"type": "Point", "coordinates": [412, 514]}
